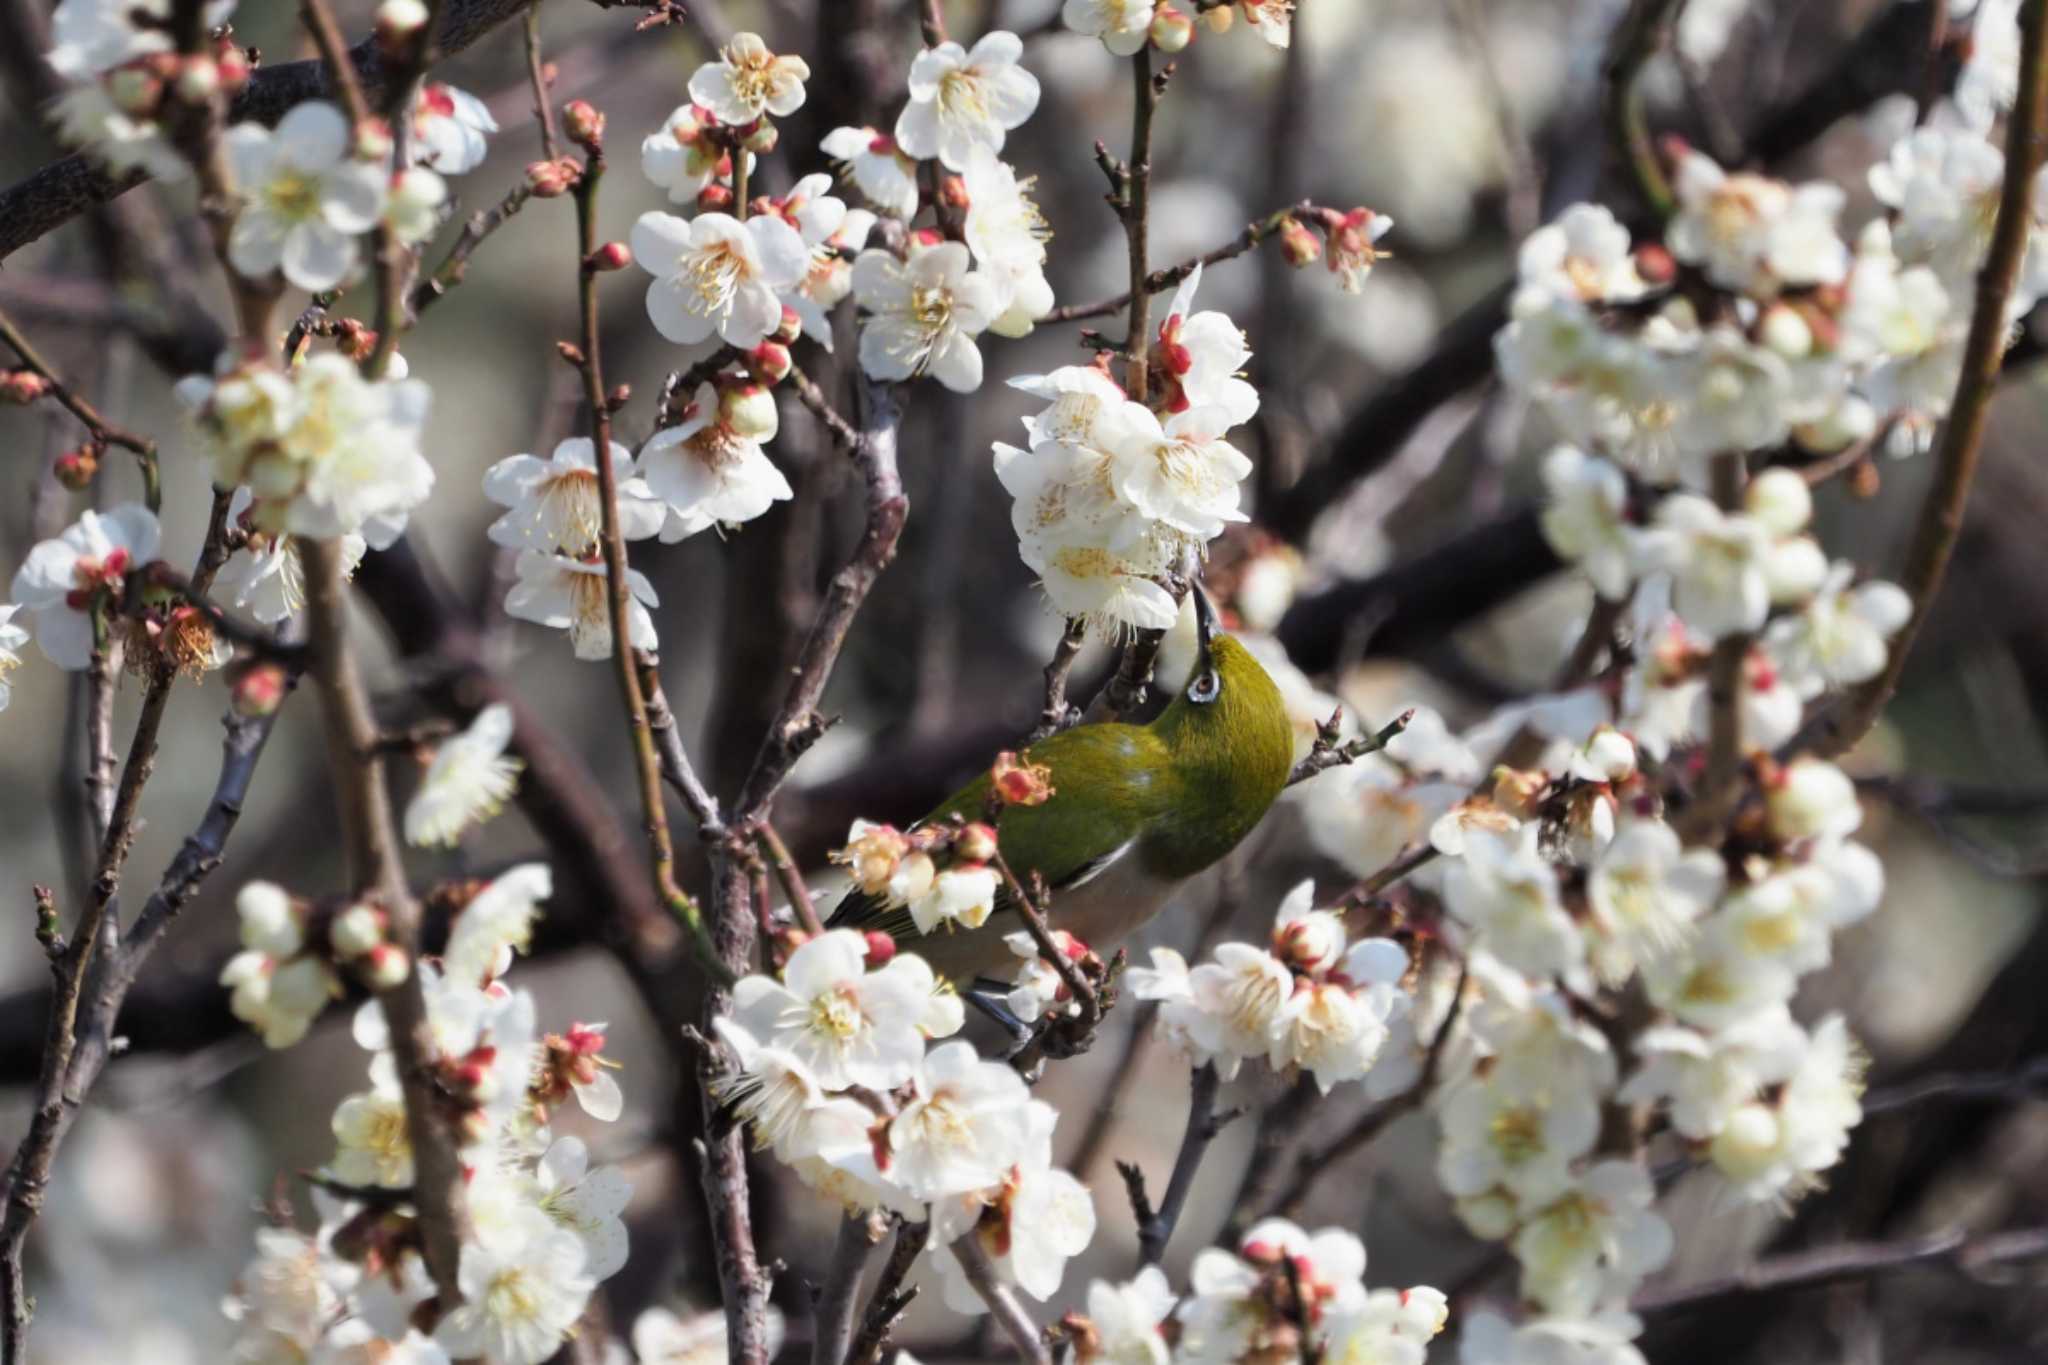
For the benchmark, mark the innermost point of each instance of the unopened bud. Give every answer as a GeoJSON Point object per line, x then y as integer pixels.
{"type": "Point", "coordinates": [714, 198]}
{"type": "Point", "coordinates": [1780, 500]}
{"type": "Point", "coordinates": [790, 328]}
{"type": "Point", "coordinates": [22, 386]}
{"type": "Point", "coordinates": [233, 65]}
{"type": "Point", "coordinates": [881, 948]}
{"type": "Point", "coordinates": [769, 362]}
{"type": "Point", "coordinates": [953, 192]}
{"type": "Point", "coordinates": [552, 179]}
{"type": "Point", "coordinates": [1783, 330]}
{"type": "Point", "coordinates": [355, 931]}
{"type": "Point", "coordinates": [385, 967]}
{"type": "Point", "coordinates": [749, 410]}
{"type": "Point", "coordinates": [373, 140]}
{"type": "Point", "coordinates": [1655, 265]}
{"type": "Point", "coordinates": [198, 79]}
{"type": "Point", "coordinates": [620, 395]}
{"type": "Point", "coordinates": [1221, 18]}
{"type": "Point", "coordinates": [610, 256]}
{"type": "Point", "coordinates": [258, 690]}
{"type": "Point", "coordinates": [354, 340]}
{"type": "Point", "coordinates": [1299, 244]}
{"type": "Point", "coordinates": [1019, 783]}
{"type": "Point", "coordinates": [584, 124]}
{"type": "Point", "coordinates": [788, 940]}
{"type": "Point", "coordinates": [1171, 30]}
{"type": "Point", "coordinates": [977, 843]}
{"type": "Point", "coordinates": [761, 139]}
{"type": "Point", "coordinates": [398, 21]}
{"type": "Point", "coordinates": [569, 351]}
{"type": "Point", "coordinates": [77, 468]}
{"type": "Point", "coordinates": [926, 237]}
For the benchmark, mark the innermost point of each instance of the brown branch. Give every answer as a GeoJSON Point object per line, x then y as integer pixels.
{"type": "Point", "coordinates": [791, 877]}
{"type": "Point", "coordinates": [1331, 750]}
{"type": "Point", "coordinates": [832, 1320]}
{"type": "Point", "coordinates": [1136, 211]}
{"type": "Point", "coordinates": [47, 199]}
{"type": "Point", "coordinates": [99, 739]}
{"type": "Point", "coordinates": [1002, 1304]}
{"type": "Point", "coordinates": [454, 267]}
{"type": "Point", "coordinates": [891, 1296]}
{"type": "Point", "coordinates": [1159, 281]}
{"type": "Point", "coordinates": [1720, 786]}
{"type": "Point", "coordinates": [1636, 40]}
{"type": "Point", "coordinates": [807, 391]}
{"type": "Point", "coordinates": [676, 768]}
{"type": "Point", "coordinates": [1057, 715]}
{"type": "Point", "coordinates": [1954, 1251]}
{"type": "Point", "coordinates": [1156, 1225]}
{"type": "Point", "coordinates": [1962, 439]}
{"type": "Point", "coordinates": [2028, 1082]}
{"type": "Point", "coordinates": [537, 77]}
{"type": "Point", "coordinates": [103, 431]}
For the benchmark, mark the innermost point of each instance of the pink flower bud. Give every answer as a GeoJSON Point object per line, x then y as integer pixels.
{"type": "Point", "coordinates": [977, 843]}
{"type": "Point", "coordinates": [76, 469]}
{"type": "Point", "coordinates": [258, 690]}
{"type": "Point", "coordinates": [769, 362]}
{"type": "Point", "coordinates": [232, 63]}
{"type": "Point", "coordinates": [354, 340]}
{"type": "Point", "coordinates": [385, 967]}
{"type": "Point", "coordinates": [761, 139]}
{"type": "Point", "coordinates": [22, 386]}
{"type": "Point", "coordinates": [198, 78]}
{"type": "Point", "coordinates": [552, 179]}
{"type": "Point", "coordinates": [584, 124]}
{"type": "Point", "coordinates": [1655, 264]}
{"type": "Point", "coordinates": [748, 409]}
{"type": "Point", "coordinates": [881, 948]}
{"type": "Point", "coordinates": [1171, 30]}
{"type": "Point", "coordinates": [610, 256]}
{"type": "Point", "coordinates": [1299, 244]}
{"type": "Point", "coordinates": [714, 198]}
{"type": "Point", "coordinates": [1020, 783]}
{"type": "Point", "coordinates": [791, 327]}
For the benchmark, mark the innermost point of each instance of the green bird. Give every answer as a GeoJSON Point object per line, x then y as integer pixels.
{"type": "Point", "coordinates": [1136, 811]}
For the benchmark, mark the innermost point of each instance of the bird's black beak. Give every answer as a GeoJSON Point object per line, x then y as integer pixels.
{"type": "Point", "coordinates": [1205, 686]}
{"type": "Point", "coordinates": [1205, 622]}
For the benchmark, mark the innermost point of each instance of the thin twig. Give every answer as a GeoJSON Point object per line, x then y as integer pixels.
{"type": "Point", "coordinates": [536, 74]}
{"type": "Point", "coordinates": [1956, 1251]}
{"type": "Point", "coordinates": [1002, 1304]}
{"type": "Point", "coordinates": [1137, 215]}
{"type": "Point", "coordinates": [807, 391]}
{"type": "Point", "coordinates": [891, 1297]}
{"type": "Point", "coordinates": [1636, 39]}
{"type": "Point", "coordinates": [1332, 751]}
{"type": "Point", "coordinates": [832, 1320]}
{"type": "Point", "coordinates": [1204, 1123]}
{"type": "Point", "coordinates": [103, 431]}
{"type": "Point", "coordinates": [791, 877]}
{"type": "Point", "coordinates": [1720, 787]}
{"type": "Point", "coordinates": [1057, 715]}
{"type": "Point", "coordinates": [1159, 281]}
{"type": "Point", "coordinates": [676, 768]}
{"type": "Point", "coordinates": [1962, 439]}
{"type": "Point", "coordinates": [454, 267]}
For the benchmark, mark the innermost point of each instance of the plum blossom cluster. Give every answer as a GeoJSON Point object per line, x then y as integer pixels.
{"type": "Point", "coordinates": [123, 79]}
{"type": "Point", "coordinates": [544, 1224]}
{"type": "Point", "coordinates": [1125, 26]}
{"type": "Point", "coordinates": [1282, 1294]}
{"type": "Point", "coordinates": [1312, 1003]}
{"type": "Point", "coordinates": [842, 1073]}
{"type": "Point", "coordinates": [1110, 494]}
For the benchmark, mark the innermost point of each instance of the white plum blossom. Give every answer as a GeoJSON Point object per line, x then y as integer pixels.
{"type": "Point", "coordinates": [307, 197]}
{"type": "Point", "coordinates": [450, 129]}
{"type": "Point", "coordinates": [291, 1287]}
{"type": "Point", "coordinates": [714, 275]}
{"type": "Point", "coordinates": [925, 314]}
{"type": "Point", "coordinates": [1755, 234]}
{"type": "Point", "coordinates": [775, 1094]}
{"type": "Point", "coordinates": [958, 1131]}
{"type": "Point", "coordinates": [1504, 1133]}
{"type": "Point", "coordinates": [555, 505]}
{"type": "Point", "coordinates": [1704, 1078]}
{"type": "Point", "coordinates": [88, 118]}
{"type": "Point", "coordinates": [1584, 255]}
{"type": "Point", "coordinates": [1126, 1319]}
{"type": "Point", "coordinates": [1597, 1240]}
{"type": "Point", "coordinates": [89, 37]}
{"type": "Point", "coordinates": [1202, 358]}
{"type": "Point", "coordinates": [495, 923]}
{"type": "Point", "coordinates": [12, 638]}
{"type": "Point", "coordinates": [1719, 980]}
{"type": "Point", "coordinates": [1812, 799]}
{"type": "Point", "coordinates": [467, 782]}
{"type": "Point", "coordinates": [662, 1338]}
{"type": "Point", "coordinates": [680, 159]}
{"type": "Point", "coordinates": [65, 582]}
{"type": "Point", "coordinates": [1944, 184]}
{"type": "Point", "coordinates": [572, 594]}
{"type": "Point", "coordinates": [1839, 638]}
{"type": "Point", "coordinates": [748, 81]}
{"type": "Point", "coordinates": [1586, 518]}
{"type": "Point", "coordinates": [521, 1296]}
{"type": "Point", "coordinates": [710, 469]}
{"type": "Point", "coordinates": [1720, 564]}
{"type": "Point", "coordinates": [1486, 1338]}
{"type": "Point", "coordinates": [848, 1025]}
{"type": "Point", "coordinates": [1007, 235]}
{"type": "Point", "coordinates": [1645, 892]}
{"type": "Point", "coordinates": [964, 894]}
{"type": "Point", "coordinates": [1180, 475]}
{"type": "Point", "coordinates": [885, 177]}
{"type": "Point", "coordinates": [264, 576]}
{"type": "Point", "coordinates": [372, 1144]}
{"type": "Point", "coordinates": [1507, 892]}
{"type": "Point", "coordinates": [964, 98]}
{"type": "Point", "coordinates": [1123, 25]}
{"type": "Point", "coordinates": [1775, 1147]}
{"type": "Point", "coordinates": [1029, 1225]}
{"type": "Point", "coordinates": [587, 1202]}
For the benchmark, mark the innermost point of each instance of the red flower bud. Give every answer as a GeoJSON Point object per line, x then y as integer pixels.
{"type": "Point", "coordinates": [22, 386]}
{"type": "Point", "coordinates": [769, 362]}
{"type": "Point", "coordinates": [714, 198]}
{"type": "Point", "coordinates": [610, 256]}
{"type": "Point", "coordinates": [881, 948]}
{"type": "Point", "coordinates": [551, 179]}
{"type": "Point", "coordinates": [1019, 783]}
{"type": "Point", "coordinates": [584, 124]}
{"type": "Point", "coordinates": [977, 843]}
{"type": "Point", "coordinates": [1655, 264]}
{"type": "Point", "coordinates": [76, 469]}
{"type": "Point", "coordinates": [1298, 244]}
{"type": "Point", "coordinates": [953, 192]}
{"type": "Point", "coordinates": [257, 690]}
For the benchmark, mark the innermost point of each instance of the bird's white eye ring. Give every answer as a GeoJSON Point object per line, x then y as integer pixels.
{"type": "Point", "coordinates": [1205, 688]}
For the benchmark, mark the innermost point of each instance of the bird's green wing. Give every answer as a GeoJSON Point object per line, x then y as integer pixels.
{"type": "Point", "coordinates": [1107, 782]}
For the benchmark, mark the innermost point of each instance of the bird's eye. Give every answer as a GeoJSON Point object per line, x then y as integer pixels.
{"type": "Point", "coordinates": [1205, 688]}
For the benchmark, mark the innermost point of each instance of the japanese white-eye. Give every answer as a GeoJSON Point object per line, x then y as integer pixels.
{"type": "Point", "coordinates": [1136, 811]}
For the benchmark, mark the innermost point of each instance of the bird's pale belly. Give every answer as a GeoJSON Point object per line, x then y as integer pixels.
{"type": "Point", "coordinates": [1101, 912]}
